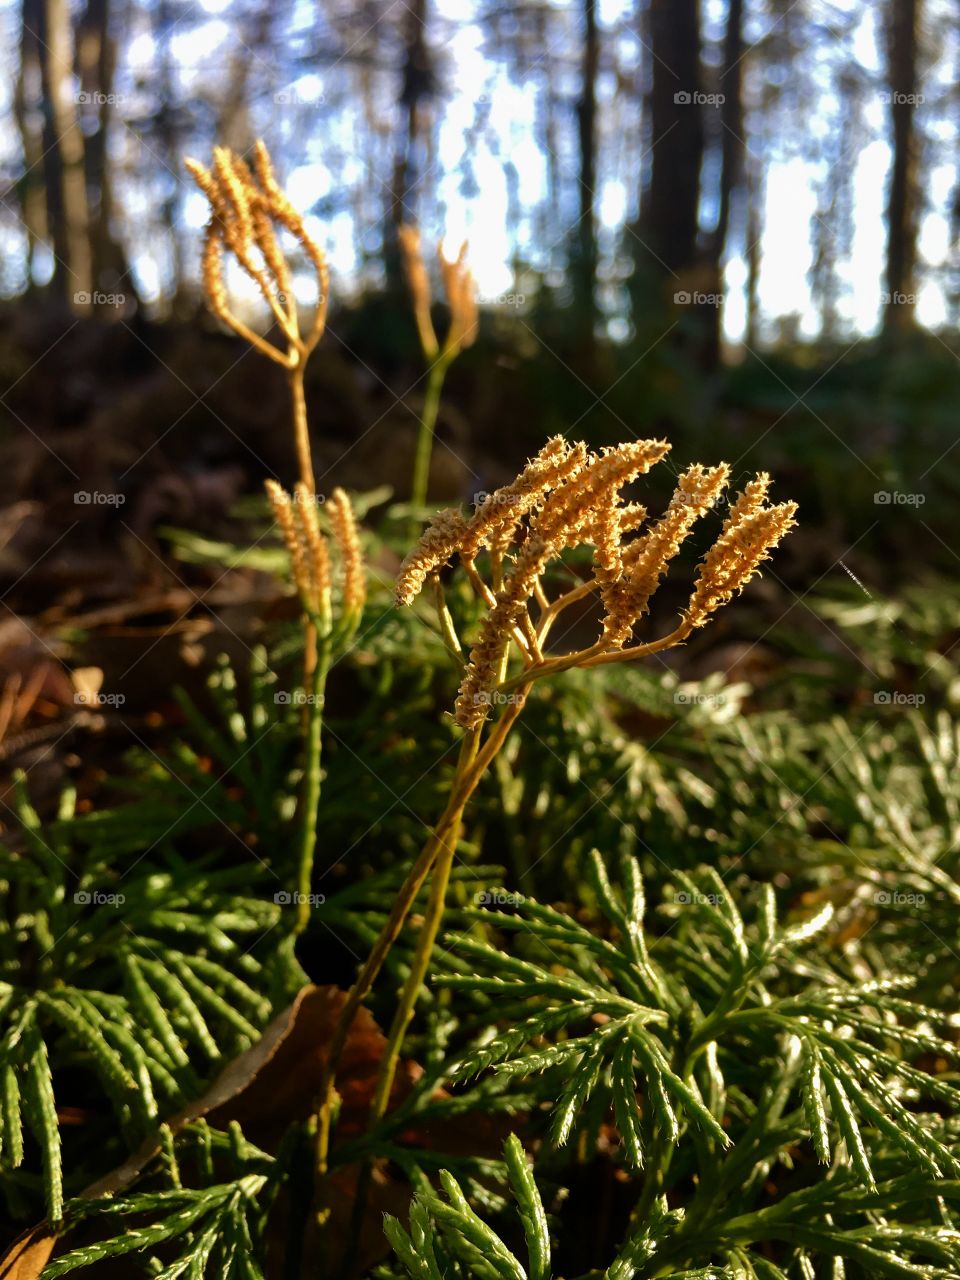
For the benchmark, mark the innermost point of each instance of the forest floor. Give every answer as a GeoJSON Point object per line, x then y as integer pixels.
{"type": "Point", "coordinates": [117, 436]}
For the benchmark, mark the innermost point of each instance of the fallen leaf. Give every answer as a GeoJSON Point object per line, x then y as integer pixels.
{"type": "Point", "coordinates": [28, 1254]}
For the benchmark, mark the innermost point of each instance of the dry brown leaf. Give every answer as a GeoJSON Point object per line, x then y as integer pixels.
{"type": "Point", "coordinates": [28, 1254]}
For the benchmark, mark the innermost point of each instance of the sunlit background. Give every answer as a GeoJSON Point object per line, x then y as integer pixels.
{"type": "Point", "coordinates": [493, 145]}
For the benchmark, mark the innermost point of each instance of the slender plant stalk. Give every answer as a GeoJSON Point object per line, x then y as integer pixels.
{"type": "Point", "coordinates": [418, 970]}
{"type": "Point", "coordinates": [459, 289]}
{"type": "Point", "coordinates": [472, 764]}
{"type": "Point", "coordinates": [315, 683]}
{"type": "Point", "coordinates": [301, 436]}
{"type": "Point", "coordinates": [301, 430]}
{"type": "Point", "coordinates": [428, 423]}
{"type": "Point", "coordinates": [439, 880]}
{"type": "Point", "coordinates": [248, 210]}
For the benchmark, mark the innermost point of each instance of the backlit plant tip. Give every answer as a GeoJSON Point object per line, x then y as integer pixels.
{"type": "Point", "coordinates": [568, 497]}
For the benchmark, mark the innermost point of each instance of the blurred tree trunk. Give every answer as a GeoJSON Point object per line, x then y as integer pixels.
{"type": "Point", "coordinates": [167, 127]}
{"type": "Point", "coordinates": [416, 88]}
{"type": "Point", "coordinates": [903, 200]}
{"type": "Point", "coordinates": [63, 160]}
{"type": "Point", "coordinates": [27, 94]}
{"type": "Point", "coordinates": [732, 148]}
{"type": "Point", "coordinates": [585, 243]}
{"type": "Point", "coordinates": [550, 208]}
{"type": "Point", "coordinates": [668, 255]}
{"type": "Point", "coordinates": [96, 63]}
{"type": "Point", "coordinates": [754, 234]}
{"type": "Point", "coordinates": [670, 213]}
{"type": "Point", "coordinates": [234, 126]}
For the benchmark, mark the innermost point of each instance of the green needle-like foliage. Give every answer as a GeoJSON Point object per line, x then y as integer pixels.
{"type": "Point", "coordinates": [761, 1055]}
{"type": "Point", "coordinates": [215, 1230]}
{"type": "Point", "coordinates": [142, 980]}
{"type": "Point", "coordinates": [446, 1235]}
{"type": "Point", "coordinates": [728, 1045]}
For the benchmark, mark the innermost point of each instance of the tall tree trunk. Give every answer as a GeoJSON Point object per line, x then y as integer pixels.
{"type": "Point", "coordinates": [63, 160]}
{"type": "Point", "coordinates": [26, 98]}
{"type": "Point", "coordinates": [732, 148]}
{"type": "Point", "coordinates": [417, 87]}
{"type": "Point", "coordinates": [585, 244]}
{"type": "Point", "coordinates": [96, 62]}
{"type": "Point", "coordinates": [754, 235]}
{"type": "Point", "coordinates": [171, 149]}
{"type": "Point", "coordinates": [903, 201]}
{"type": "Point", "coordinates": [669, 218]}
{"type": "Point", "coordinates": [731, 118]}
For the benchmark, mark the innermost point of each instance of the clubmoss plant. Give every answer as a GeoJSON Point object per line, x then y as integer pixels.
{"type": "Point", "coordinates": [565, 498]}
{"type": "Point", "coordinates": [458, 288]}
{"type": "Point", "coordinates": [248, 210]}
{"type": "Point", "coordinates": [310, 563]}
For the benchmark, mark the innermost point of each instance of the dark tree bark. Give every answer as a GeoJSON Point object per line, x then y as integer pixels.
{"type": "Point", "coordinates": [903, 201]}
{"type": "Point", "coordinates": [732, 148]}
{"type": "Point", "coordinates": [731, 119]}
{"type": "Point", "coordinates": [418, 84]}
{"type": "Point", "coordinates": [63, 161]}
{"type": "Point", "coordinates": [167, 127]}
{"type": "Point", "coordinates": [584, 264]}
{"type": "Point", "coordinates": [96, 62]}
{"type": "Point", "coordinates": [669, 219]}
{"type": "Point", "coordinates": [26, 98]}
{"type": "Point", "coordinates": [754, 233]}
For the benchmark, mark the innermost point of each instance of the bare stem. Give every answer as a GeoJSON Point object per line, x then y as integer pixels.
{"type": "Point", "coordinates": [440, 878]}
{"type": "Point", "coordinates": [301, 429]}
{"type": "Point", "coordinates": [436, 905]}
{"type": "Point", "coordinates": [439, 848]}
{"type": "Point", "coordinates": [315, 682]}
{"type": "Point", "coordinates": [463, 785]}
{"type": "Point", "coordinates": [428, 423]}
{"type": "Point", "coordinates": [447, 630]}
